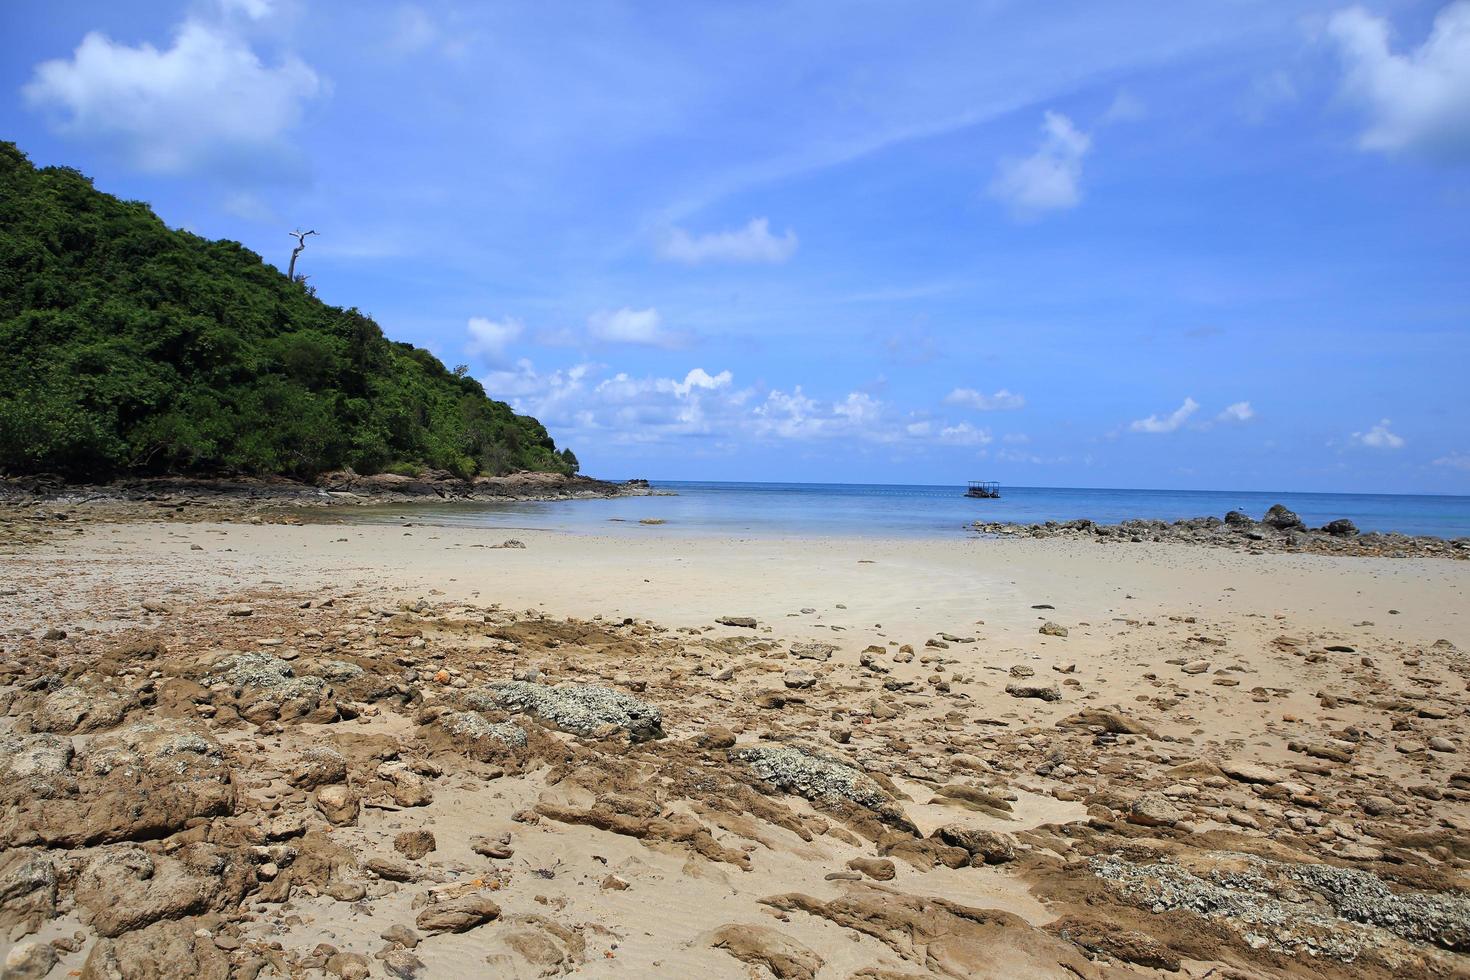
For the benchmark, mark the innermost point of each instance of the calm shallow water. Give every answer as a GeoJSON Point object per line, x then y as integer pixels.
{"type": "Point", "coordinates": [821, 509]}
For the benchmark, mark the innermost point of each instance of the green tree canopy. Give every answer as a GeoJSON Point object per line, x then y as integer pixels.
{"type": "Point", "coordinates": [130, 348]}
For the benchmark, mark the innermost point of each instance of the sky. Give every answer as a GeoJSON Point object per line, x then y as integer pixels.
{"type": "Point", "coordinates": [1220, 245]}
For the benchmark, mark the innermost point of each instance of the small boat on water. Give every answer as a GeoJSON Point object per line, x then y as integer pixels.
{"type": "Point", "coordinates": [988, 491]}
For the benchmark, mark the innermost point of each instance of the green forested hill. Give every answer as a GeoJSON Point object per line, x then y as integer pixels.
{"type": "Point", "coordinates": [129, 348]}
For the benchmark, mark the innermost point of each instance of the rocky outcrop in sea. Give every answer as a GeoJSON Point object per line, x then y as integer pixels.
{"type": "Point", "coordinates": [1280, 529]}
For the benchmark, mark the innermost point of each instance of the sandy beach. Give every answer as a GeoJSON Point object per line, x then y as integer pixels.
{"type": "Point", "coordinates": [966, 757]}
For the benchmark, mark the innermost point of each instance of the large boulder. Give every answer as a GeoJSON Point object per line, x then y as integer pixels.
{"type": "Point", "coordinates": [1281, 518]}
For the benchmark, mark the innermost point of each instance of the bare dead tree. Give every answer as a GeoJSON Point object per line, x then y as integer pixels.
{"type": "Point", "coordinates": [300, 237]}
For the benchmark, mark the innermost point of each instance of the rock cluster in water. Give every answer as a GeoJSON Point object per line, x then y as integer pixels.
{"type": "Point", "coordinates": [1279, 530]}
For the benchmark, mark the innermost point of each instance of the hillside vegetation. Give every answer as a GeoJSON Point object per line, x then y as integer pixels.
{"type": "Point", "coordinates": [133, 349]}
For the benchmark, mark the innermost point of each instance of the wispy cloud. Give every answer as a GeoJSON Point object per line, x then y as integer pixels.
{"type": "Point", "coordinates": [1002, 400]}
{"type": "Point", "coordinates": [1455, 461]}
{"type": "Point", "coordinates": [490, 338]}
{"type": "Point", "coordinates": [753, 243]}
{"type": "Point", "coordinates": [1050, 178]}
{"type": "Point", "coordinates": [629, 326]}
{"type": "Point", "coordinates": [1169, 423]}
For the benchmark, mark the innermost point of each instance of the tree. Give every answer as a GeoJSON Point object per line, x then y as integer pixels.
{"type": "Point", "coordinates": [300, 237]}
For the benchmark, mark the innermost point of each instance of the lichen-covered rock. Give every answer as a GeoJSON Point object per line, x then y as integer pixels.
{"type": "Point", "coordinates": [266, 688]}
{"type": "Point", "coordinates": [318, 765]}
{"type": "Point", "coordinates": [820, 778]}
{"type": "Point", "coordinates": [27, 888]}
{"type": "Point", "coordinates": [470, 733]}
{"type": "Point", "coordinates": [162, 951]}
{"type": "Point", "coordinates": [582, 709]}
{"type": "Point", "coordinates": [146, 780]}
{"type": "Point", "coordinates": [126, 888]}
{"type": "Point", "coordinates": [76, 709]}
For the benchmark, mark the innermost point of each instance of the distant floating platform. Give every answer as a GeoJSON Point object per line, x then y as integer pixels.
{"type": "Point", "coordinates": [988, 491]}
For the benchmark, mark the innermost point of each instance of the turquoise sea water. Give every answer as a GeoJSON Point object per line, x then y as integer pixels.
{"type": "Point", "coordinates": [822, 509]}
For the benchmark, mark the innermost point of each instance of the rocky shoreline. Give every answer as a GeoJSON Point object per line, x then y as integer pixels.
{"type": "Point", "coordinates": [26, 502]}
{"type": "Point", "coordinates": [332, 785]}
{"type": "Point", "coordinates": [1280, 530]}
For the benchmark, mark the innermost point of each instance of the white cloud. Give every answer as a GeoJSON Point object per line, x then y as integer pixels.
{"type": "Point", "coordinates": [1379, 437]}
{"type": "Point", "coordinates": [1002, 400]}
{"type": "Point", "coordinates": [1048, 179]}
{"type": "Point", "coordinates": [629, 326]}
{"type": "Point", "coordinates": [1238, 412]}
{"type": "Point", "coordinates": [489, 338]}
{"type": "Point", "coordinates": [1170, 422]}
{"type": "Point", "coordinates": [964, 434]}
{"type": "Point", "coordinates": [1418, 101]}
{"type": "Point", "coordinates": [1455, 461]}
{"type": "Point", "coordinates": [207, 101]}
{"type": "Point", "coordinates": [752, 244]}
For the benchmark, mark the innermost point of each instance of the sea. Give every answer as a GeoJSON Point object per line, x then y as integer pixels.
{"type": "Point", "coordinates": [808, 510]}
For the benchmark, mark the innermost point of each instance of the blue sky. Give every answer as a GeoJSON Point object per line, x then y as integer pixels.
{"type": "Point", "coordinates": [1210, 245]}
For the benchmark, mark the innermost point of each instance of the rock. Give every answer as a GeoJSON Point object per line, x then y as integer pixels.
{"type": "Point", "coordinates": [1049, 628]}
{"type": "Point", "coordinates": [799, 680]}
{"type": "Point", "coordinates": [402, 935]}
{"type": "Point", "coordinates": [28, 889]}
{"type": "Point", "coordinates": [1195, 667]}
{"type": "Point", "coordinates": [28, 961]}
{"type": "Point", "coordinates": [1106, 938]}
{"type": "Point", "coordinates": [239, 610]}
{"type": "Point", "coordinates": [879, 869]}
{"type": "Point", "coordinates": [716, 737]}
{"type": "Point", "coordinates": [1249, 772]}
{"type": "Point", "coordinates": [1439, 743]}
{"type": "Point", "coordinates": [459, 914]}
{"type": "Point", "coordinates": [1236, 519]}
{"type": "Point", "coordinates": [389, 868]}
{"type": "Point", "coordinates": [157, 606]}
{"type": "Point", "coordinates": [146, 780]}
{"type": "Point", "coordinates": [125, 888]}
{"type": "Point", "coordinates": [1041, 690]}
{"type": "Point", "coordinates": [973, 798]}
{"type": "Point", "coordinates": [349, 966]}
{"type": "Point", "coordinates": [813, 650]}
{"type": "Point", "coordinates": [337, 803]}
{"type": "Point", "coordinates": [1281, 518]}
{"type": "Point", "coordinates": [744, 622]}
{"type": "Point", "coordinates": [76, 710]}
{"type": "Point", "coordinates": [318, 765]}
{"type": "Point", "coordinates": [162, 951]}
{"type": "Point", "coordinates": [1108, 721]}
{"type": "Point", "coordinates": [499, 850]}
{"type": "Point", "coordinates": [1341, 528]}
{"type": "Point", "coordinates": [402, 964]}
{"type": "Point", "coordinates": [955, 940]}
{"type": "Point", "coordinates": [468, 733]}
{"type": "Point", "coordinates": [513, 544]}
{"type": "Point", "coordinates": [414, 844]}
{"type": "Point", "coordinates": [582, 709]}
{"type": "Point", "coordinates": [1153, 810]}
{"type": "Point", "coordinates": [983, 846]}
{"type": "Point", "coordinates": [820, 778]}
{"type": "Point", "coordinates": [762, 946]}
{"type": "Point", "coordinates": [54, 634]}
